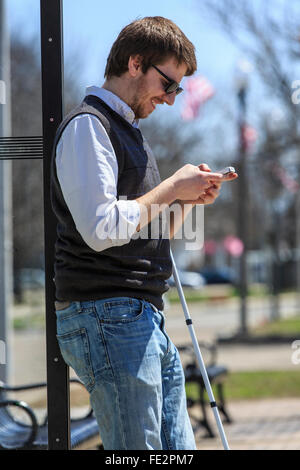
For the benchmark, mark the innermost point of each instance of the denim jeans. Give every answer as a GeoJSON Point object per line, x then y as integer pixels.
{"type": "Point", "coordinates": [119, 349]}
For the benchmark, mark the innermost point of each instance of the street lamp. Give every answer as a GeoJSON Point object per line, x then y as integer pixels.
{"type": "Point", "coordinates": [243, 70]}
{"type": "Point", "coordinates": [275, 126]}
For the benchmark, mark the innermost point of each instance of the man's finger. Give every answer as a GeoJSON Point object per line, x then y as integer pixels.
{"type": "Point", "coordinates": [230, 176]}
{"type": "Point", "coordinates": [204, 167]}
{"type": "Point", "coordinates": [213, 176]}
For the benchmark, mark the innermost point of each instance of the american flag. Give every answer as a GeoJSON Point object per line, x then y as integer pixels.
{"type": "Point", "coordinates": [198, 91]}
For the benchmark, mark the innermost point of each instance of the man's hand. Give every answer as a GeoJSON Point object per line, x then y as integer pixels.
{"type": "Point", "coordinates": [190, 182]}
{"type": "Point", "coordinates": [209, 195]}
{"type": "Point", "coordinates": [190, 185]}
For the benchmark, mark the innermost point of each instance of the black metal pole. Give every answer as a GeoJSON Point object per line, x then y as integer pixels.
{"type": "Point", "coordinates": [243, 198]}
{"type": "Point", "coordinates": [52, 94]}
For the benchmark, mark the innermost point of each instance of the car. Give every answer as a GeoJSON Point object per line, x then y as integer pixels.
{"type": "Point", "coordinates": [30, 278]}
{"type": "Point", "coordinates": [190, 279]}
{"type": "Point", "coordinates": [224, 275]}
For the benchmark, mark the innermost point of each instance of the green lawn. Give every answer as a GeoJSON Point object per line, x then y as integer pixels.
{"type": "Point", "coordinates": [264, 384]}
{"type": "Point", "coordinates": [33, 321]}
{"type": "Point", "coordinates": [257, 384]}
{"type": "Point", "coordinates": [288, 326]}
{"type": "Point", "coordinates": [214, 293]}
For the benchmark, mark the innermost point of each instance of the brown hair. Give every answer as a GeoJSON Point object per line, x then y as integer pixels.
{"type": "Point", "coordinates": [155, 39]}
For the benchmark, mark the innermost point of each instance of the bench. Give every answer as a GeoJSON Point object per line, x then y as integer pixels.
{"type": "Point", "coordinates": [18, 435]}
{"type": "Point", "coordinates": [216, 374]}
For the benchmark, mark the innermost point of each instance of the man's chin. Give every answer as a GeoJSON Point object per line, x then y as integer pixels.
{"type": "Point", "coordinates": [143, 115]}
{"type": "Point", "coordinates": [142, 112]}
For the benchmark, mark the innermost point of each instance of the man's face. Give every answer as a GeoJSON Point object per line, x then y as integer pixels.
{"type": "Point", "coordinates": [150, 88]}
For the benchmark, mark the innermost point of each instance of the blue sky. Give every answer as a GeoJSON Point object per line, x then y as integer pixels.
{"type": "Point", "coordinates": [91, 26]}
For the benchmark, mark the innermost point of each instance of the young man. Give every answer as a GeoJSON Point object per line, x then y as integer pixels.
{"type": "Point", "coordinates": [109, 286]}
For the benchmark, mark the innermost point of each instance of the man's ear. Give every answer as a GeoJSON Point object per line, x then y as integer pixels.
{"type": "Point", "coordinates": [135, 65]}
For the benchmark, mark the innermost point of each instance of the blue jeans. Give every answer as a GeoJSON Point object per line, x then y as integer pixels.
{"type": "Point", "coordinates": [119, 349]}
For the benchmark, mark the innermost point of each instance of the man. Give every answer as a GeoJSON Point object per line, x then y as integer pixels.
{"type": "Point", "coordinates": [109, 286]}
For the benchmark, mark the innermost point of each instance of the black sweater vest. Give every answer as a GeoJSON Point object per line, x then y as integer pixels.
{"type": "Point", "coordinates": [137, 269]}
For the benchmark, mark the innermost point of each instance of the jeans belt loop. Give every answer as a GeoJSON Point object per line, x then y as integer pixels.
{"type": "Point", "coordinates": [59, 305]}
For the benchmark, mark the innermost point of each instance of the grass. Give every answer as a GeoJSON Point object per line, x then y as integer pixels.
{"type": "Point", "coordinates": [33, 321]}
{"type": "Point", "coordinates": [256, 384]}
{"type": "Point", "coordinates": [191, 295]}
{"type": "Point", "coordinates": [283, 327]}
{"type": "Point", "coordinates": [217, 292]}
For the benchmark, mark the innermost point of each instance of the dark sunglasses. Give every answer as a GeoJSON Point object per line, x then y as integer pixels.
{"type": "Point", "coordinates": [172, 86]}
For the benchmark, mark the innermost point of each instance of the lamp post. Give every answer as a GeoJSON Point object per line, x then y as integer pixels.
{"type": "Point", "coordinates": [243, 70]}
{"type": "Point", "coordinates": [276, 128]}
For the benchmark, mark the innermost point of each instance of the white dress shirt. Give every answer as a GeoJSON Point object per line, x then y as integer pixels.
{"type": "Point", "coordinates": [87, 170]}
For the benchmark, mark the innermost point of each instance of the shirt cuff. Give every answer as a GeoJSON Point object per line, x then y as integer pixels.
{"type": "Point", "coordinates": [128, 220]}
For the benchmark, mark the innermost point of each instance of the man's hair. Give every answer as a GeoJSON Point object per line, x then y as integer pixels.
{"type": "Point", "coordinates": [155, 39]}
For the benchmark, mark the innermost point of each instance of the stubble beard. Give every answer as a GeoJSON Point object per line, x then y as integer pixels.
{"type": "Point", "coordinates": [138, 104]}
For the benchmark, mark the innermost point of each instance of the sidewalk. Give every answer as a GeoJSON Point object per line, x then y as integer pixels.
{"type": "Point", "coordinates": [259, 425]}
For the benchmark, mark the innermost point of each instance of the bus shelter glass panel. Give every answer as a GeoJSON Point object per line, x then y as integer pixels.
{"type": "Point", "coordinates": [22, 307]}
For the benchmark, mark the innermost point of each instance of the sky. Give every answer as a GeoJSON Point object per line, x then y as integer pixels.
{"type": "Point", "coordinates": [91, 26]}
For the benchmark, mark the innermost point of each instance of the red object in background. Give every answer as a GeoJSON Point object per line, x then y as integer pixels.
{"type": "Point", "coordinates": [234, 246]}
{"type": "Point", "coordinates": [210, 247]}
{"type": "Point", "coordinates": [249, 136]}
{"type": "Point", "coordinates": [288, 182]}
{"type": "Point", "coordinates": [198, 91]}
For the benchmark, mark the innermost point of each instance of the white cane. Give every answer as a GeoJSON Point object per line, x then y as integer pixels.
{"type": "Point", "coordinates": [199, 356]}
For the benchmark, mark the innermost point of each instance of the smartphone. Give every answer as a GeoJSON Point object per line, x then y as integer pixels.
{"type": "Point", "coordinates": [227, 170]}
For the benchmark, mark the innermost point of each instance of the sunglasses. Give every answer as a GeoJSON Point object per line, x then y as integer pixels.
{"type": "Point", "coordinates": [172, 86]}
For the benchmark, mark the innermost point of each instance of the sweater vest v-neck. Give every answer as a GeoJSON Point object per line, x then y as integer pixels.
{"type": "Point", "coordinates": [139, 268]}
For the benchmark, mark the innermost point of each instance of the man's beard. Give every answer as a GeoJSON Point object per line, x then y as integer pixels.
{"type": "Point", "coordinates": [137, 104]}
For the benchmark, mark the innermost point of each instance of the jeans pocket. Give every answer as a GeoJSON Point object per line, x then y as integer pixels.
{"type": "Point", "coordinates": [69, 311]}
{"type": "Point", "coordinates": [75, 350]}
{"type": "Point", "coordinates": [122, 311]}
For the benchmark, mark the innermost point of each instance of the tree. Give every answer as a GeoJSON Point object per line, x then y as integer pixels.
{"type": "Point", "coordinates": [268, 33]}
{"type": "Point", "coordinates": [28, 231]}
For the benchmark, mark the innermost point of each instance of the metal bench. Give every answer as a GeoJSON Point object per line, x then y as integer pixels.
{"type": "Point", "coordinates": [216, 374]}
{"type": "Point", "coordinates": [15, 434]}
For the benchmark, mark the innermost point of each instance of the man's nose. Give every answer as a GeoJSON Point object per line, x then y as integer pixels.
{"type": "Point", "coordinates": [169, 98]}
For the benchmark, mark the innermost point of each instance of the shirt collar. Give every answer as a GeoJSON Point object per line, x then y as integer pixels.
{"type": "Point", "coordinates": [115, 103]}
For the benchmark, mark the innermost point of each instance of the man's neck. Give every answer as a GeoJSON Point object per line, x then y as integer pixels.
{"type": "Point", "coordinates": [120, 87]}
